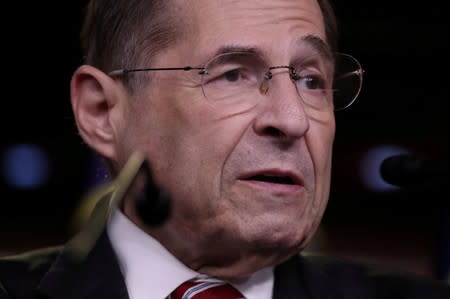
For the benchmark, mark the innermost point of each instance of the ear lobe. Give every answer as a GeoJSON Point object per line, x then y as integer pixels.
{"type": "Point", "coordinates": [93, 98]}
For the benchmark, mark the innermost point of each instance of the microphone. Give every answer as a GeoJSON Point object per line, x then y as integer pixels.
{"type": "Point", "coordinates": [153, 202]}
{"type": "Point", "coordinates": [405, 170]}
{"type": "Point", "coordinates": [153, 205]}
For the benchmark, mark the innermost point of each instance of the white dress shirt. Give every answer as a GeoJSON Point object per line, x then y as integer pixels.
{"type": "Point", "coordinates": [148, 268]}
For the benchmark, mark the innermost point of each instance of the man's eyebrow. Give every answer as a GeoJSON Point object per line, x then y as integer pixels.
{"type": "Point", "coordinates": [237, 48]}
{"type": "Point", "coordinates": [312, 41]}
{"type": "Point", "coordinates": [317, 44]}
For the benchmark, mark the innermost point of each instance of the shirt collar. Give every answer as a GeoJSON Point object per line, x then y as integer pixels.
{"type": "Point", "coordinates": [149, 268]}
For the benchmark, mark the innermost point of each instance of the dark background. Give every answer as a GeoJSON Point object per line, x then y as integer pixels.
{"type": "Point", "coordinates": [404, 49]}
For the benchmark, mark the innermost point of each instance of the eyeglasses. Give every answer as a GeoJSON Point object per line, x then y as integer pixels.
{"type": "Point", "coordinates": [323, 82]}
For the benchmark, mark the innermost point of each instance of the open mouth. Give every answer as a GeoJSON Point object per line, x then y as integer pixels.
{"type": "Point", "coordinates": [274, 179]}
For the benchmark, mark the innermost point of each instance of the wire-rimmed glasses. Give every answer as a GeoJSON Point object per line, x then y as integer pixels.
{"type": "Point", "coordinates": [323, 82]}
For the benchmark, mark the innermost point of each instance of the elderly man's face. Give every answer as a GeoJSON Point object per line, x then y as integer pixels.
{"type": "Point", "coordinates": [249, 182]}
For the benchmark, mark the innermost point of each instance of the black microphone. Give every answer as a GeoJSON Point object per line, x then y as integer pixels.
{"type": "Point", "coordinates": [406, 170]}
{"type": "Point", "coordinates": [153, 202]}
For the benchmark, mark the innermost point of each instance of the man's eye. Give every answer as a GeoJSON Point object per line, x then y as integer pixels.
{"type": "Point", "coordinates": [232, 76]}
{"type": "Point", "coordinates": [310, 82]}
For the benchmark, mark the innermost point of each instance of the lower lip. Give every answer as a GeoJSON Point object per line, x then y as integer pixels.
{"type": "Point", "coordinates": [273, 187]}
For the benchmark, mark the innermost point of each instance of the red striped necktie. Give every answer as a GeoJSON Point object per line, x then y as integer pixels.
{"type": "Point", "coordinates": [206, 289]}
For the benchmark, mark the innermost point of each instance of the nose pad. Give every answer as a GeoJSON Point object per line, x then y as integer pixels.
{"type": "Point", "coordinates": [264, 87]}
{"type": "Point", "coordinates": [269, 75]}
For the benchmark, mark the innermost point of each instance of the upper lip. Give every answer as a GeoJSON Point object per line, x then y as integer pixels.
{"type": "Point", "coordinates": [273, 172]}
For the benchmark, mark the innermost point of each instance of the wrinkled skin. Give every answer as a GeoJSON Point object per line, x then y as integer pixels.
{"type": "Point", "coordinates": [225, 222]}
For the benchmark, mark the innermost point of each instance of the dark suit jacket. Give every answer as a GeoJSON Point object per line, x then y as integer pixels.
{"type": "Point", "coordinates": [92, 272]}
{"type": "Point", "coordinates": [50, 273]}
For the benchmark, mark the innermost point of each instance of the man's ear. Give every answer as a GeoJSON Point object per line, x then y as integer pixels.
{"type": "Point", "coordinates": [94, 97]}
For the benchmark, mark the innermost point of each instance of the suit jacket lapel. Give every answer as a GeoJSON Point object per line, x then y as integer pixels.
{"type": "Point", "coordinates": [98, 276]}
{"type": "Point", "coordinates": [87, 267]}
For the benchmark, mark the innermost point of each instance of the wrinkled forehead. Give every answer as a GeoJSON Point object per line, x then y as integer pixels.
{"type": "Point", "coordinates": [275, 27]}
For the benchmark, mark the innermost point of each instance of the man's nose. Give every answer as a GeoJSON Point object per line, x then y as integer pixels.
{"type": "Point", "coordinates": [282, 113]}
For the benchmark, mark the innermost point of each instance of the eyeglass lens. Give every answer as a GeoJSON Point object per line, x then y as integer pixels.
{"type": "Point", "coordinates": [236, 79]}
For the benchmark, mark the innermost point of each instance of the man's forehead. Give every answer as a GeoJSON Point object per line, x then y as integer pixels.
{"type": "Point", "coordinates": [251, 9]}
{"type": "Point", "coordinates": [221, 23]}
{"type": "Point", "coordinates": [208, 13]}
